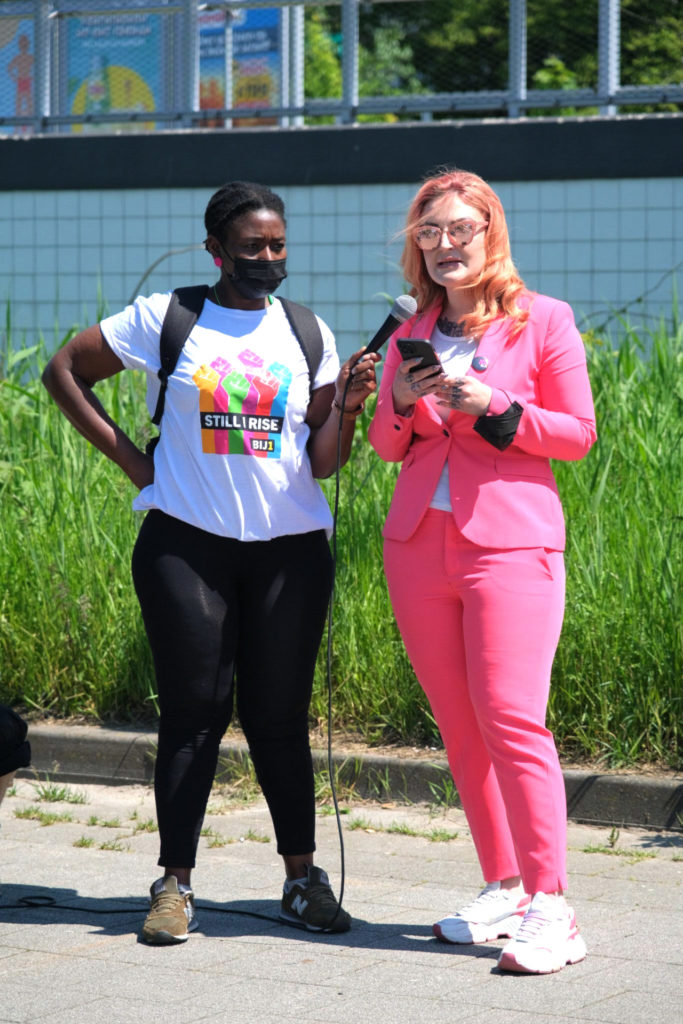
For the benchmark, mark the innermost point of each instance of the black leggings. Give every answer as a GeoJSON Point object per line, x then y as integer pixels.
{"type": "Point", "coordinates": [218, 610]}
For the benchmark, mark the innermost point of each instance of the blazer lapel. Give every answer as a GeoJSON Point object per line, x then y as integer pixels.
{"type": "Point", "coordinates": [489, 348]}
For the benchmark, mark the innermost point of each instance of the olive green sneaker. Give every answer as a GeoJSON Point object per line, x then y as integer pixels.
{"type": "Point", "coordinates": [310, 902]}
{"type": "Point", "coordinates": [172, 914]}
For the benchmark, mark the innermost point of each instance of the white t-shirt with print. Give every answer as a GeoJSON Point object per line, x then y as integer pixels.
{"type": "Point", "coordinates": [232, 457]}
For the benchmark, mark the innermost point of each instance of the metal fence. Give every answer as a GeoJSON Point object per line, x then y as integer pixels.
{"type": "Point", "coordinates": [130, 65]}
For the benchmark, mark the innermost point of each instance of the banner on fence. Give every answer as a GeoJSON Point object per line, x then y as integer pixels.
{"type": "Point", "coordinates": [256, 61]}
{"type": "Point", "coordinates": [16, 71]}
{"type": "Point", "coordinates": [114, 64]}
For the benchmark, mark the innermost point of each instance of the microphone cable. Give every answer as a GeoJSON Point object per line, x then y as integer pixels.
{"type": "Point", "coordinates": [328, 659]}
{"type": "Point", "coordinates": [401, 310]}
{"type": "Point", "coordinates": [404, 307]}
{"type": "Point", "coordinates": [39, 901]}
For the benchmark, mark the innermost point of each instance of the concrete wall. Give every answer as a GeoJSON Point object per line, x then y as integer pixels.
{"type": "Point", "coordinates": [595, 210]}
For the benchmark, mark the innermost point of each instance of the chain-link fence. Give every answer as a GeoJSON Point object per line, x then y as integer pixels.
{"type": "Point", "coordinates": [131, 65]}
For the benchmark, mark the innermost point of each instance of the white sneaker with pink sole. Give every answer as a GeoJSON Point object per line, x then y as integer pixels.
{"type": "Point", "coordinates": [494, 913]}
{"type": "Point", "coordinates": [547, 940]}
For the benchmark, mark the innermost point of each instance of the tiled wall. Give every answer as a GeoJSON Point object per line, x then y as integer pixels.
{"type": "Point", "coordinates": [65, 257]}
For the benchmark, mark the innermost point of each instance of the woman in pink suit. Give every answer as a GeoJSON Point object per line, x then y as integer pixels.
{"type": "Point", "coordinates": [473, 548]}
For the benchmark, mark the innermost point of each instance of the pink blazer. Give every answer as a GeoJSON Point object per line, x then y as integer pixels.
{"type": "Point", "coordinates": [500, 499]}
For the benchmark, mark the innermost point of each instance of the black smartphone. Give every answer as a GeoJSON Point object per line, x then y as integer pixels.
{"type": "Point", "coordinates": [411, 348]}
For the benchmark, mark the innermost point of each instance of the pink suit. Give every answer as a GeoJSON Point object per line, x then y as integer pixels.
{"type": "Point", "coordinates": [479, 594]}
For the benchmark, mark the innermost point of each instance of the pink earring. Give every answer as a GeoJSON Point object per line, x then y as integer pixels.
{"type": "Point", "coordinates": [218, 261]}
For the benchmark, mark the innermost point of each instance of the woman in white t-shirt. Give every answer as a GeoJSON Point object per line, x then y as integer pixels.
{"type": "Point", "coordinates": [232, 565]}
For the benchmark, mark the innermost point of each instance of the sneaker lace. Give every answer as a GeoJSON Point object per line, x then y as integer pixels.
{"type": "Point", "coordinates": [485, 896]}
{"type": "Point", "coordinates": [322, 894]}
{"type": "Point", "coordinates": [532, 925]}
{"type": "Point", "coordinates": [165, 901]}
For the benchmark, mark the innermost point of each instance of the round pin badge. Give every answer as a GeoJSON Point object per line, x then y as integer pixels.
{"type": "Point", "coordinates": [479, 363]}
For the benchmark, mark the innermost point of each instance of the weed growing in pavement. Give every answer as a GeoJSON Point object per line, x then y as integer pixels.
{"type": "Point", "coordinates": [145, 826]}
{"type": "Point", "coordinates": [254, 837]}
{"type": "Point", "coordinates": [215, 838]}
{"type": "Point", "coordinates": [434, 835]}
{"type": "Point", "coordinates": [631, 856]}
{"type": "Point", "coordinates": [444, 793]}
{"type": "Point", "coordinates": [50, 792]}
{"type": "Point", "coordinates": [114, 844]}
{"type": "Point", "coordinates": [43, 817]}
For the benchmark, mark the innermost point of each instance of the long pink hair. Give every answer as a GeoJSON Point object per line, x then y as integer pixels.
{"type": "Point", "coordinates": [499, 286]}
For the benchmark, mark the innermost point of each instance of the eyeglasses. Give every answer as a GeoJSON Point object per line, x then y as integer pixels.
{"type": "Point", "coordinates": [460, 232]}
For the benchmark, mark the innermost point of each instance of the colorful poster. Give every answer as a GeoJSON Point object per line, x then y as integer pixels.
{"type": "Point", "coordinates": [212, 65]}
{"type": "Point", "coordinates": [114, 64]}
{"type": "Point", "coordinates": [256, 62]}
{"type": "Point", "coordinates": [16, 71]}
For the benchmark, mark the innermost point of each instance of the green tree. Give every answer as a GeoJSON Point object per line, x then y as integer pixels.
{"type": "Point", "coordinates": [463, 46]}
{"type": "Point", "coordinates": [322, 64]}
{"type": "Point", "coordinates": [384, 61]}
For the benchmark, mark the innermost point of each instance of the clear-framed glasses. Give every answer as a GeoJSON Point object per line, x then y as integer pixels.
{"type": "Point", "coordinates": [460, 232]}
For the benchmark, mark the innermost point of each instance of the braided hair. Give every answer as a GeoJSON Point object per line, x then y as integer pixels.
{"type": "Point", "coordinates": [234, 199]}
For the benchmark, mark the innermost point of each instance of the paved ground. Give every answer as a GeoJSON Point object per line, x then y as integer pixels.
{"type": "Point", "coordinates": [78, 960]}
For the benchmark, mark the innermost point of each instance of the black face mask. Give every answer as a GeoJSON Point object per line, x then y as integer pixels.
{"type": "Point", "coordinates": [254, 279]}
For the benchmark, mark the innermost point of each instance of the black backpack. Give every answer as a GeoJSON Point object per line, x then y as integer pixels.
{"type": "Point", "coordinates": [183, 311]}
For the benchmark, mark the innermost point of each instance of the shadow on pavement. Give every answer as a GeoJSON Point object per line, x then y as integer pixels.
{"type": "Point", "coordinates": [36, 905]}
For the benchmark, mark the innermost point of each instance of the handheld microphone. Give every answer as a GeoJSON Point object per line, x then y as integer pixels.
{"type": "Point", "coordinates": [403, 308]}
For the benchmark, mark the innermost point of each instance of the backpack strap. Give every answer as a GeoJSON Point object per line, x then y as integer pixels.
{"type": "Point", "coordinates": [181, 316]}
{"type": "Point", "coordinates": [304, 323]}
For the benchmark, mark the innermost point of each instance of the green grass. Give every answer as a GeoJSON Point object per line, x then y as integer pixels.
{"type": "Point", "coordinates": [434, 835]}
{"type": "Point", "coordinates": [44, 817]}
{"type": "Point", "coordinates": [145, 826]}
{"type": "Point", "coordinates": [114, 844]}
{"type": "Point", "coordinates": [630, 856]}
{"type": "Point", "coordinates": [85, 842]}
{"type": "Point", "coordinates": [617, 695]}
{"type": "Point", "coordinates": [72, 644]}
{"type": "Point", "coordinates": [51, 792]}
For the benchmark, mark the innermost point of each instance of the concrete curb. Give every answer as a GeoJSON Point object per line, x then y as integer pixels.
{"type": "Point", "coordinates": [82, 753]}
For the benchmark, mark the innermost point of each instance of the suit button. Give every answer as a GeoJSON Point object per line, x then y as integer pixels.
{"type": "Point", "coordinates": [446, 434]}
{"type": "Point", "coordinates": [396, 426]}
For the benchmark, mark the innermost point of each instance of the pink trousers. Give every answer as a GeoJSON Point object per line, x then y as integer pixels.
{"type": "Point", "coordinates": [481, 627]}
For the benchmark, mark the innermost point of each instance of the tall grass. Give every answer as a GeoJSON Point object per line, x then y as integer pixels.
{"type": "Point", "coordinates": [618, 676]}
{"type": "Point", "coordinates": [71, 641]}
{"type": "Point", "coordinates": [617, 693]}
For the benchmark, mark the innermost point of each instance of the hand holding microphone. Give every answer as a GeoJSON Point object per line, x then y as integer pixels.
{"type": "Point", "coordinates": [403, 308]}
{"type": "Point", "coordinates": [358, 373]}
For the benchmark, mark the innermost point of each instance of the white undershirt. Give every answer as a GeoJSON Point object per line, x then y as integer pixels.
{"type": "Point", "coordinates": [456, 356]}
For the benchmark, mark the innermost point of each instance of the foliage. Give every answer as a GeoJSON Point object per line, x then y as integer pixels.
{"type": "Point", "coordinates": [71, 640]}
{"type": "Point", "coordinates": [384, 61]}
{"type": "Point", "coordinates": [624, 559]}
{"type": "Point", "coordinates": [440, 47]}
{"type": "Point", "coordinates": [616, 691]}
{"type": "Point", "coordinates": [322, 72]}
